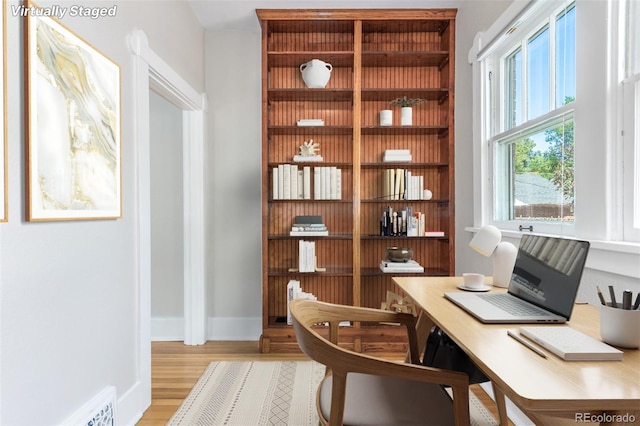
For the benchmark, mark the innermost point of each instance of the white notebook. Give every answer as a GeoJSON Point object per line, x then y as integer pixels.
{"type": "Point", "coordinates": [570, 344]}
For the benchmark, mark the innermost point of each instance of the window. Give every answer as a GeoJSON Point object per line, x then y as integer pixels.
{"type": "Point", "coordinates": [630, 17]}
{"type": "Point", "coordinates": [533, 149]}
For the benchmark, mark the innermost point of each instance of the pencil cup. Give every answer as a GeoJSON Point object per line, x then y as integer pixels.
{"type": "Point", "coordinates": [620, 327]}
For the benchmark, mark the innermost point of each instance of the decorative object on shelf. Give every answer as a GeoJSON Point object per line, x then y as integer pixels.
{"type": "Point", "coordinates": [399, 254]}
{"type": "Point", "coordinates": [488, 242]}
{"type": "Point", "coordinates": [427, 194]}
{"type": "Point", "coordinates": [309, 152]}
{"type": "Point", "coordinates": [406, 111]}
{"type": "Point", "coordinates": [316, 73]}
{"type": "Point", "coordinates": [386, 117]}
{"type": "Point", "coordinates": [73, 96]}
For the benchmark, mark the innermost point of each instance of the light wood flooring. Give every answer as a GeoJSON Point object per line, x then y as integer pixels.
{"type": "Point", "coordinates": [175, 368]}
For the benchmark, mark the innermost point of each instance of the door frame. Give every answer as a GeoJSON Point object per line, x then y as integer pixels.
{"type": "Point", "coordinates": [152, 73]}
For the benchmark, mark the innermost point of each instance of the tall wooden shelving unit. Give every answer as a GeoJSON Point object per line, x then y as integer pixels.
{"type": "Point", "coordinates": [377, 56]}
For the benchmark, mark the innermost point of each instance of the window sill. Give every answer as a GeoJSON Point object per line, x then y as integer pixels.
{"type": "Point", "coordinates": [615, 257]}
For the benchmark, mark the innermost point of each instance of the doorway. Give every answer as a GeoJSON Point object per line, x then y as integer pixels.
{"type": "Point", "coordinates": [167, 221]}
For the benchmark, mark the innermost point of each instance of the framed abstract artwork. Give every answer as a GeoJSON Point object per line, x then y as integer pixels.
{"type": "Point", "coordinates": [4, 208]}
{"type": "Point", "coordinates": [73, 141]}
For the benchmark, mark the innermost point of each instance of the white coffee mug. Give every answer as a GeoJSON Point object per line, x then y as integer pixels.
{"type": "Point", "coordinates": [473, 280]}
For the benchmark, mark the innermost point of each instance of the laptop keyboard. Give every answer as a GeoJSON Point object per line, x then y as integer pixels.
{"type": "Point", "coordinates": [512, 305]}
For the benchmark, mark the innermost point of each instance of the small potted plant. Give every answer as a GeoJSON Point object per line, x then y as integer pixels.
{"type": "Point", "coordinates": [406, 111]}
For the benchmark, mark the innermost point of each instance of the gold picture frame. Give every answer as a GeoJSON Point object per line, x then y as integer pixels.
{"type": "Point", "coordinates": [4, 195]}
{"type": "Point", "coordinates": [73, 140]}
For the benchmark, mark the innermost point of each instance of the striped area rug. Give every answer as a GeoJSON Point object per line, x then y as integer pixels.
{"type": "Point", "coordinates": [266, 393]}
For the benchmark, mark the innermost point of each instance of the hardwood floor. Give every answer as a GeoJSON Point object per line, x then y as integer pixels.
{"type": "Point", "coordinates": [175, 368]}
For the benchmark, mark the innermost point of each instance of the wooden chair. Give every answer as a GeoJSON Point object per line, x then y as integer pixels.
{"type": "Point", "coordinates": [359, 389]}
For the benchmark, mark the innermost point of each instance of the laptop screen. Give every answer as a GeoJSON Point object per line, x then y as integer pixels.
{"type": "Point", "coordinates": [547, 272]}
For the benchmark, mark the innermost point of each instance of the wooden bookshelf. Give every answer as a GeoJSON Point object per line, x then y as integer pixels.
{"type": "Point", "coordinates": [376, 56]}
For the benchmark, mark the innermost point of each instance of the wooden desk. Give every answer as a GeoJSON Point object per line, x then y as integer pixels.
{"type": "Point", "coordinates": [541, 387]}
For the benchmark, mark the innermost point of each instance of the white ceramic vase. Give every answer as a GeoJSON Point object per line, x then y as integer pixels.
{"type": "Point", "coordinates": [386, 117]}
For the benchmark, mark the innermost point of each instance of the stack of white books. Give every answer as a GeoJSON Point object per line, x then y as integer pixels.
{"type": "Point", "coordinates": [397, 155]}
{"type": "Point", "coordinates": [401, 267]}
{"type": "Point", "coordinates": [294, 291]}
{"type": "Point", "coordinates": [306, 256]}
{"type": "Point", "coordinates": [311, 122]}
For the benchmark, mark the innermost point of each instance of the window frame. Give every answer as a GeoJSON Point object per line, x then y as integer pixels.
{"type": "Point", "coordinates": [598, 110]}
{"type": "Point", "coordinates": [495, 75]}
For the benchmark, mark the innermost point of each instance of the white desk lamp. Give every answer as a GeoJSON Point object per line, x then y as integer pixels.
{"type": "Point", "coordinates": [488, 242]}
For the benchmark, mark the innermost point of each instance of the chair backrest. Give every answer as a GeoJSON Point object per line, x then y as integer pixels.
{"type": "Point", "coordinates": [308, 314]}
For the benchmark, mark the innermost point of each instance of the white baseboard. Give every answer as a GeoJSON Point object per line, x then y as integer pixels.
{"type": "Point", "coordinates": [234, 328]}
{"type": "Point", "coordinates": [165, 329]}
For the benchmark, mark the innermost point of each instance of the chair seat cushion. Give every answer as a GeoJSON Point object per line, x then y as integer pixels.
{"type": "Point", "coordinates": [379, 400]}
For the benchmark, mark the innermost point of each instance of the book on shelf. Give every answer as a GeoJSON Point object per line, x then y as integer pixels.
{"type": "Point", "coordinates": [294, 291]}
{"type": "Point", "coordinates": [310, 122]}
{"type": "Point", "coordinates": [434, 233]}
{"type": "Point", "coordinates": [399, 267]}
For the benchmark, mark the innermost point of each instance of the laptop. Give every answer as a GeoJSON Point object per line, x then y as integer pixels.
{"type": "Point", "coordinates": [543, 285]}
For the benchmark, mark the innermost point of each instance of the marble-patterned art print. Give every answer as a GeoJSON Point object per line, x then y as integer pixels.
{"type": "Point", "coordinates": [74, 119]}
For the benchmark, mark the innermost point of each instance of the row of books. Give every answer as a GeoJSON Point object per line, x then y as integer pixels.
{"type": "Point", "coordinates": [406, 222]}
{"type": "Point", "coordinates": [307, 256]}
{"type": "Point", "coordinates": [291, 182]}
{"type": "Point", "coordinates": [401, 184]}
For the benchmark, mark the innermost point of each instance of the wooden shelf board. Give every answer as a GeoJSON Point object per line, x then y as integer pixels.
{"type": "Point", "coordinates": [404, 59]}
{"type": "Point", "coordinates": [295, 59]}
{"type": "Point", "coordinates": [310, 130]}
{"type": "Point", "coordinates": [404, 130]}
{"type": "Point", "coordinates": [332, 272]}
{"type": "Point", "coordinates": [427, 272]}
{"type": "Point", "coordinates": [394, 164]}
{"type": "Point", "coordinates": [388, 94]}
{"type": "Point", "coordinates": [304, 94]}
{"type": "Point", "coordinates": [320, 237]}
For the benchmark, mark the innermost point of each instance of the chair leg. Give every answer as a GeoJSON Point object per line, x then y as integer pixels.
{"type": "Point", "coordinates": [423, 327]}
{"type": "Point", "coordinates": [498, 395]}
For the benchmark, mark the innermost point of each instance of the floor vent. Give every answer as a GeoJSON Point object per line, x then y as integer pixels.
{"type": "Point", "coordinates": [99, 411]}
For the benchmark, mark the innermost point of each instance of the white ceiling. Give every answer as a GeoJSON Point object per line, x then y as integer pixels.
{"type": "Point", "coordinates": [240, 15]}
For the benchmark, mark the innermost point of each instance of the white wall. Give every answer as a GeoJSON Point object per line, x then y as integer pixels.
{"type": "Point", "coordinates": [69, 305]}
{"type": "Point", "coordinates": [234, 180]}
